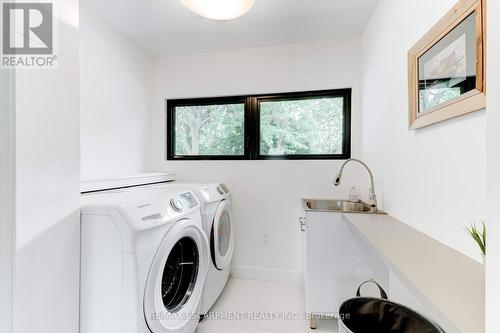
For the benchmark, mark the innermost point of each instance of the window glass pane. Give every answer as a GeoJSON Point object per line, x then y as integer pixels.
{"type": "Point", "coordinates": [302, 127]}
{"type": "Point", "coordinates": [210, 129]}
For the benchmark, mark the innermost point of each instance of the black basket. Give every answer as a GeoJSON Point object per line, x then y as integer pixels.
{"type": "Point", "coordinates": [379, 315]}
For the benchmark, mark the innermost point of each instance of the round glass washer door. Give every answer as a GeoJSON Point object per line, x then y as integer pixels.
{"type": "Point", "coordinates": [175, 279]}
{"type": "Point", "coordinates": [179, 274]}
{"type": "Point", "coordinates": [222, 236]}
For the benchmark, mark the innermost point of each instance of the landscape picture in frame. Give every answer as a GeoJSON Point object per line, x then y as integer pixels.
{"type": "Point", "coordinates": [448, 69]}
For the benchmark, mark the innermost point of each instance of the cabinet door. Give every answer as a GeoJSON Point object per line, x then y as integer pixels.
{"type": "Point", "coordinates": [336, 263]}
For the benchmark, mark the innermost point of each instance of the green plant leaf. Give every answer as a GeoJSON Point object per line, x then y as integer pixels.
{"type": "Point", "coordinates": [477, 236]}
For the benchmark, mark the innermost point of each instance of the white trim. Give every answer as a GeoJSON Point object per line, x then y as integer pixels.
{"type": "Point", "coordinates": [7, 200]}
{"type": "Point", "coordinates": [266, 274]}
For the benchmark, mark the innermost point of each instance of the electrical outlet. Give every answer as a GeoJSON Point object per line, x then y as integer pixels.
{"type": "Point", "coordinates": [264, 238]}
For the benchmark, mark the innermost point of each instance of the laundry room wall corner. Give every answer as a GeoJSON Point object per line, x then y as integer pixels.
{"type": "Point", "coordinates": [114, 99]}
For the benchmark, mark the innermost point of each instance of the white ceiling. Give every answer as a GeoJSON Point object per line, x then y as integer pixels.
{"type": "Point", "coordinates": [163, 27]}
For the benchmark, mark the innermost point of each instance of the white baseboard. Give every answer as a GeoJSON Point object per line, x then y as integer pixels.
{"type": "Point", "coordinates": [266, 274]}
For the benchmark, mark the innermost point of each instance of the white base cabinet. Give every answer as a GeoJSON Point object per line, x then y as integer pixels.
{"type": "Point", "coordinates": [335, 263]}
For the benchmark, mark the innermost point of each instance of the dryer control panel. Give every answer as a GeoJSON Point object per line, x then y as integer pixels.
{"type": "Point", "coordinates": [213, 192]}
{"type": "Point", "coordinates": [183, 202]}
{"type": "Point", "coordinates": [222, 189]}
{"type": "Point", "coordinates": [161, 209]}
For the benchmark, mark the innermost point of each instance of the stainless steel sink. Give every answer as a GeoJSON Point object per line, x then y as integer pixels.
{"type": "Point", "coordinates": [346, 206]}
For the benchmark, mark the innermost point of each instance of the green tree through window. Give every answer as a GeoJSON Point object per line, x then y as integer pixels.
{"type": "Point", "coordinates": [311, 126]}
{"type": "Point", "coordinates": [210, 130]}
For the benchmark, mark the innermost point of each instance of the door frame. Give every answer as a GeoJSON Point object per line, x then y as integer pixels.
{"type": "Point", "coordinates": [7, 200]}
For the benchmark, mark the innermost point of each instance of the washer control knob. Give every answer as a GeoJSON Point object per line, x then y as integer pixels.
{"type": "Point", "coordinates": [176, 205]}
{"type": "Point", "coordinates": [220, 190]}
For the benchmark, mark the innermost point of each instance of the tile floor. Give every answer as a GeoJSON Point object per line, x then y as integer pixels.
{"type": "Point", "coordinates": [257, 304]}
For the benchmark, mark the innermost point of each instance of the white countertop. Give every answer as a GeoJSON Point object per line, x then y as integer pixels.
{"type": "Point", "coordinates": [453, 282]}
{"type": "Point", "coordinates": [125, 181]}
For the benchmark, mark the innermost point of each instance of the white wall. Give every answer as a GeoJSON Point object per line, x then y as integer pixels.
{"type": "Point", "coordinates": [47, 186]}
{"type": "Point", "coordinates": [266, 193]}
{"type": "Point", "coordinates": [432, 178]}
{"type": "Point", "coordinates": [7, 199]}
{"type": "Point", "coordinates": [493, 165]}
{"type": "Point", "coordinates": [114, 92]}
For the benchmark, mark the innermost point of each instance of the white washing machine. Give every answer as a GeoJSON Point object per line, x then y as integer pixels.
{"type": "Point", "coordinates": [218, 224]}
{"type": "Point", "coordinates": [144, 262]}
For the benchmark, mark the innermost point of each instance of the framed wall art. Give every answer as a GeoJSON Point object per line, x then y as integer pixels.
{"type": "Point", "coordinates": [446, 67]}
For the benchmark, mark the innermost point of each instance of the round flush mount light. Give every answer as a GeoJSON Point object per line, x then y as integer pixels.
{"type": "Point", "coordinates": [219, 9]}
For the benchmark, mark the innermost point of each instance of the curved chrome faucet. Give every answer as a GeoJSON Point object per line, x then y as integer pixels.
{"type": "Point", "coordinates": [371, 191]}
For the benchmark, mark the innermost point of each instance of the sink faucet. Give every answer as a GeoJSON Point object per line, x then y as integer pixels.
{"type": "Point", "coordinates": [371, 191]}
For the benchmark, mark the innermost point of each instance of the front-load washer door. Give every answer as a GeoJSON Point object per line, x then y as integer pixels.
{"type": "Point", "coordinates": [222, 236]}
{"type": "Point", "coordinates": [175, 280]}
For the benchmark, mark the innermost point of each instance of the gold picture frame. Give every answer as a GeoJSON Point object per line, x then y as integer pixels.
{"type": "Point", "coordinates": [446, 67]}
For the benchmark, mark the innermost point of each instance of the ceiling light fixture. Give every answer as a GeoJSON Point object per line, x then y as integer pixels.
{"type": "Point", "coordinates": [219, 9]}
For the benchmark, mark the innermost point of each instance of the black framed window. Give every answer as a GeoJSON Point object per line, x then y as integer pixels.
{"type": "Point", "coordinates": [301, 125]}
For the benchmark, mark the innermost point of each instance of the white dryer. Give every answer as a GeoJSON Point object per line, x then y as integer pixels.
{"type": "Point", "coordinates": [144, 262]}
{"type": "Point", "coordinates": [218, 224]}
